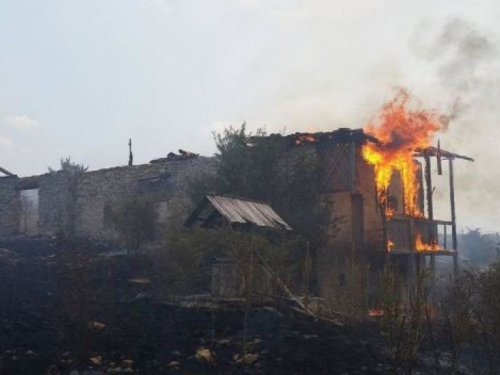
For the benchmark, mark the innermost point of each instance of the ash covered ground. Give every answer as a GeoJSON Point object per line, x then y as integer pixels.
{"type": "Point", "coordinates": [59, 317]}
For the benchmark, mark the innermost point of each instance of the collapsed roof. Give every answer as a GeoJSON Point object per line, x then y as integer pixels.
{"type": "Point", "coordinates": [341, 135]}
{"type": "Point", "coordinates": [347, 135]}
{"type": "Point", "coordinates": [6, 172]}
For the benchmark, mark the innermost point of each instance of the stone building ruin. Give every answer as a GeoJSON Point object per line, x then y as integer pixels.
{"type": "Point", "coordinates": [78, 204]}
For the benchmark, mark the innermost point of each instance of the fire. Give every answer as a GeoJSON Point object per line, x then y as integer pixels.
{"type": "Point", "coordinates": [390, 245]}
{"type": "Point", "coordinates": [376, 312]}
{"type": "Point", "coordinates": [305, 138]}
{"type": "Point", "coordinates": [401, 131]}
{"type": "Point", "coordinates": [420, 245]}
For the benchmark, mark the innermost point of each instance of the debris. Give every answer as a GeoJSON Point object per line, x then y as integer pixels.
{"type": "Point", "coordinates": [204, 355]}
{"type": "Point", "coordinates": [96, 326]}
{"type": "Point", "coordinates": [183, 155]}
{"type": "Point", "coordinates": [173, 364]}
{"type": "Point", "coordinates": [31, 353]}
{"type": "Point", "coordinates": [249, 359]}
{"type": "Point", "coordinates": [52, 370]}
{"type": "Point", "coordinates": [128, 362]}
{"type": "Point", "coordinates": [140, 280]}
{"type": "Point", "coordinates": [224, 342]}
{"type": "Point", "coordinates": [96, 360]}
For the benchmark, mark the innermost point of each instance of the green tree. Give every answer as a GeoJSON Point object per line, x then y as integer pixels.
{"type": "Point", "coordinates": [134, 218]}
{"type": "Point", "coordinates": [67, 165]}
{"type": "Point", "coordinates": [264, 167]}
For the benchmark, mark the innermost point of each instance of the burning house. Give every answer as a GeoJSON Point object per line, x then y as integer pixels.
{"type": "Point", "coordinates": [380, 182]}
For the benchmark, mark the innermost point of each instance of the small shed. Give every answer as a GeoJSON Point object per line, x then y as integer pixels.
{"type": "Point", "coordinates": [214, 210]}
{"type": "Point", "coordinates": [239, 213]}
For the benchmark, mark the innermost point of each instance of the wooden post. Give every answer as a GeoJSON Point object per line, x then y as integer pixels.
{"type": "Point", "coordinates": [412, 256]}
{"type": "Point", "coordinates": [428, 186]}
{"type": "Point", "coordinates": [453, 218]}
{"type": "Point", "coordinates": [430, 206]}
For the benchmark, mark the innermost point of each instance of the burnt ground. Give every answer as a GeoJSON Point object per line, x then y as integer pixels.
{"type": "Point", "coordinates": [47, 310]}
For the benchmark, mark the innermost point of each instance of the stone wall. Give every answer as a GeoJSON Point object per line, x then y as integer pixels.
{"type": "Point", "coordinates": [161, 182]}
{"type": "Point", "coordinates": [9, 206]}
{"type": "Point", "coordinates": [75, 203]}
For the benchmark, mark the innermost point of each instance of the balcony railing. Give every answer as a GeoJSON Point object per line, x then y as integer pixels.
{"type": "Point", "coordinates": [408, 234]}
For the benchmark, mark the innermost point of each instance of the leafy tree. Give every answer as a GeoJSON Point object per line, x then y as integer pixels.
{"type": "Point", "coordinates": [259, 166]}
{"type": "Point", "coordinates": [68, 166]}
{"type": "Point", "coordinates": [263, 167]}
{"type": "Point", "coordinates": [135, 220]}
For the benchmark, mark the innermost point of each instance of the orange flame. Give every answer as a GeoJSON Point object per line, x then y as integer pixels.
{"type": "Point", "coordinates": [376, 312]}
{"type": "Point", "coordinates": [390, 245]}
{"type": "Point", "coordinates": [305, 138]}
{"type": "Point", "coordinates": [401, 131]}
{"type": "Point", "coordinates": [420, 245]}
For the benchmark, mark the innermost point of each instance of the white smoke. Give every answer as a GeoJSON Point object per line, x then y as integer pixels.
{"type": "Point", "coordinates": [466, 63]}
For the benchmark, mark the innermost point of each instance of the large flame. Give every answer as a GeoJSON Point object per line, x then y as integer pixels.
{"type": "Point", "coordinates": [401, 131]}
{"type": "Point", "coordinates": [420, 245]}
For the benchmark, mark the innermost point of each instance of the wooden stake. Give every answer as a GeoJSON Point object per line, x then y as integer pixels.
{"type": "Point", "coordinates": [453, 218]}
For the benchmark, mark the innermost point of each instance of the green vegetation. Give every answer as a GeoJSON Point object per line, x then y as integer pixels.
{"type": "Point", "coordinates": [134, 218]}
{"type": "Point", "coordinates": [69, 166]}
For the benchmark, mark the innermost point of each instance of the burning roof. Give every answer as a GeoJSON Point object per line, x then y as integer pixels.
{"type": "Point", "coordinates": [341, 135]}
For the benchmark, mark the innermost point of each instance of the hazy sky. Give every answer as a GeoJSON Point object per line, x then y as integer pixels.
{"type": "Point", "coordinates": [80, 77]}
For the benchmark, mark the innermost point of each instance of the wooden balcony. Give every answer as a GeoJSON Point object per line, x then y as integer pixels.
{"type": "Point", "coordinates": [419, 235]}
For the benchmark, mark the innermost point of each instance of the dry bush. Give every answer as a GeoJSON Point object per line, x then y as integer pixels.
{"type": "Point", "coordinates": [77, 295]}
{"type": "Point", "coordinates": [454, 308]}
{"type": "Point", "coordinates": [346, 291]}
{"type": "Point", "coordinates": [403, 318]}
{"type": "Point", "coordinates": [486, 308]}
{"type": "Point", "coordinates": [186, 258]}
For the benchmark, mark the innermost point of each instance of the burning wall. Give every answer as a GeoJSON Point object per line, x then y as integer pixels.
{"type": "Point", "coordinates": [401, 131]}
{"type": "Point", "coordinates": [377, 167]}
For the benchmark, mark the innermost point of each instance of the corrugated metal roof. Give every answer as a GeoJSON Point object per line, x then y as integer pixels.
{"type": "Point", "coordinates": [244, 211]}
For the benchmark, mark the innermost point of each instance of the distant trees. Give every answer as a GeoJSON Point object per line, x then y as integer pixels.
{"type": "Point", "coordinates": [69, 166]}
{"type": "Point", "coordinates": [479, 248]}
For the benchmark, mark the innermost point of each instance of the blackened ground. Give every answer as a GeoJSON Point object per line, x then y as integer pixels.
{"type": "Point", "coordinates": [47, 304]}
{"type": "Point", "coordinates": [155, 335]}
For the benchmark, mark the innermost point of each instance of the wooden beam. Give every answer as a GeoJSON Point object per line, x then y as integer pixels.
{"type": "Point", "coordinates": [6, 172]}
{"type": "Point", "coordinates": [453, 217]}
{"type": "Point", "coordinates": [196, 213]}
{"type": "Point", "coordinates": [428, 186]}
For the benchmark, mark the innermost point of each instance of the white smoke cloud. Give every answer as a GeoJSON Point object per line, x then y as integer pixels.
{"type": "Point", "coordinates": [21, 122]}
{"type": "Point", "coordinates": [466, 63]}
{"type": "Point", "coordinates": [6, 143]}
